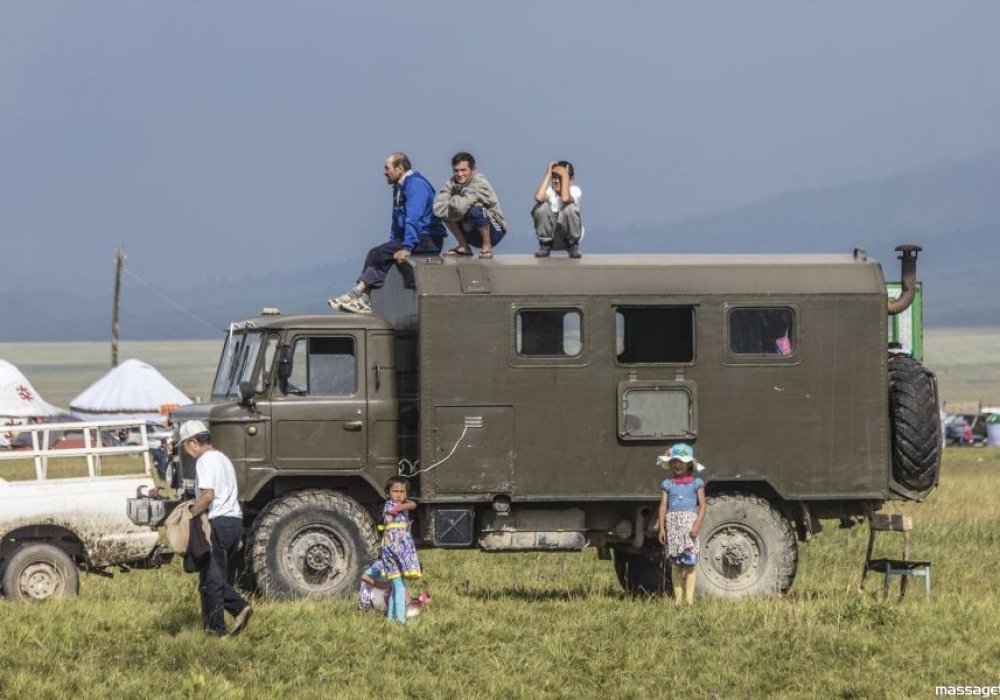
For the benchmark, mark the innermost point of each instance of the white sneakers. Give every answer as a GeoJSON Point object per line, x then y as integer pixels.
{"type": "Point", "coordinates": [352, 302]}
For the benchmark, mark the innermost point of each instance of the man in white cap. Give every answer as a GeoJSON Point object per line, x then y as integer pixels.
{"type": "Point", "coordinates": [215, 493]}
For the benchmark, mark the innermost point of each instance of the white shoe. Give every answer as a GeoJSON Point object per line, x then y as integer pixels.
{"type": "Point", "coordinates": [356, 305]}
{"type": "Point", "coordinates": [337, 303]}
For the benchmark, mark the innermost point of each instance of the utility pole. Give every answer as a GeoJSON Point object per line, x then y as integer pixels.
{"type": "Point", "coordinates": [119, 263]}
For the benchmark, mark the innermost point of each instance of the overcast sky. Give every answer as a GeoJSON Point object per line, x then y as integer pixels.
{"type": "Point", "coordinates": [218, 137]}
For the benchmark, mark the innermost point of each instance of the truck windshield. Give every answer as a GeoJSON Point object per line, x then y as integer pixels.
{"type": "Point", "coordinates": [239, 356]}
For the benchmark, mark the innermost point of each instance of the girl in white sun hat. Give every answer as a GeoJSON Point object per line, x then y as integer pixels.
{"type": "Point", "coordinates": [682, 510]}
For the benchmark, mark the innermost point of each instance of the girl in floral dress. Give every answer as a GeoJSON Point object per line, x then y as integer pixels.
{"type": "Point", "coordinates": [682, 509]}
{"type": "Point", "coordinates": [399, 554]}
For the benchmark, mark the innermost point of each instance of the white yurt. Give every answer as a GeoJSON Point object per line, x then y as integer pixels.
{"type": "Point", "coordinates": [133, 390]}
{"type": "Point", "coordinates": [18, 399]}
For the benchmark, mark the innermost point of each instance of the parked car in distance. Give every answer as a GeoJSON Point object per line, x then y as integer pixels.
{"type": "Point", "coordinates": [977, 426]}
{"type": "Point", "coordinates": [154, 431]}
{"type": "Point", "coordinates": [62, 440]}
{"type": "Point", "coordinates": [73, 440]}
{"type": "Point", "coordinates": [957, 431]}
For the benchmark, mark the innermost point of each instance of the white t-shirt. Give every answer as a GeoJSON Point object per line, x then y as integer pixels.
{"type": "Point", "coordinates": [553, 198]}
{"type": "Point", "coordinates": [554, 202]}
{"type": "Point", "coordinates": [215, 471]}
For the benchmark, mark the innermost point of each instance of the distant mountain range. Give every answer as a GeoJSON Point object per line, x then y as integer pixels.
{"type": "Point", "coordinates": [951, 209]}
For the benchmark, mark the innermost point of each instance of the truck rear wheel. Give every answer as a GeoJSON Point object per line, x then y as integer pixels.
{"type": "Point", "coordinates": [311, 544]}
{"type": "Point", "coordinates": [747, 548]}
{"type": "Point", "coordinates": [641, 574]}
{"type": "Point", "coordinates": [39, 572]}
{"type": "Point", "coordinates": [915, 424]}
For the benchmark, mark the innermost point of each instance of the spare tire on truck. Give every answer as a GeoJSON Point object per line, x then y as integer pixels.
{"type": "Point", "coordinates": [915, 424]}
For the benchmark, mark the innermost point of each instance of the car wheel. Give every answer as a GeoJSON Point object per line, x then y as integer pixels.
{"type": "Point", "coordinates": [38, 572]}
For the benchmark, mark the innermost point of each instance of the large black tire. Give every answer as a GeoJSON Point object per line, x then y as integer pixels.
{"type": "Point", "coordinates": [38, 572]}
{"type": "Point", "coordinates": [915, 424]}
{"type": "Point", "coordinates": [747, 548]}
{"type": "Point", "coordinates": [311, 544]}
{"type": "Point", "coordinates": [642, 574]}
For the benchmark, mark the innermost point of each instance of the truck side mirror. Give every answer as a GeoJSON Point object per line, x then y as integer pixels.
{"type": "Point", "coordinates": [246, 393]}
{"type": "Point", "coordinates": [284, 362]}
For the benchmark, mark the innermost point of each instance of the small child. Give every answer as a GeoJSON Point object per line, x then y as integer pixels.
{"type": "Point", "coordinates": [682, 509]}
{"type": "Point", "coordinates": [399, 553]}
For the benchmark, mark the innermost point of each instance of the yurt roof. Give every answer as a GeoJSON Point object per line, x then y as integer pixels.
{"type": "Point", "coordinates": [18, 399]}
{"type": "Point", "coordinates": [131, 387]}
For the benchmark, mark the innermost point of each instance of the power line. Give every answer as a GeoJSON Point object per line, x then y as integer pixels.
{"type": "Point", "coordinates": [163, 295]}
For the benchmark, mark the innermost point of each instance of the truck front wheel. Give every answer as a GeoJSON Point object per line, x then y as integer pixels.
{"type": "Point", "coordinates": [311, 544]}
{"type": "Point", "coordinates": [747, 548]}
{"type": "Point", "coordinates": [38, 572]}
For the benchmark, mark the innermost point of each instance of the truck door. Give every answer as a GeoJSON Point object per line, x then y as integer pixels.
{"type": "Point", "coordinates": [659, 365]}
{"type": "Point", "coordinates": [319, 414]}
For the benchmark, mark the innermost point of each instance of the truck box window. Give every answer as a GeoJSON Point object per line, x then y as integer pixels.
{"type": "Point", "coordinates": [761, 332]}
{"type": "Point", "coordinates": [323, 366]}
{"type": "Point", "coordinates": [654, 334]}
{"type": "Point", "coordinates": [549, 332]}
{"type": "Point", "coordinates": [656, 412]}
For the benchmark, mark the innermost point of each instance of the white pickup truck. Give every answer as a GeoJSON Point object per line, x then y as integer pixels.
{"type": "Point", "coordinates": [50, 528]}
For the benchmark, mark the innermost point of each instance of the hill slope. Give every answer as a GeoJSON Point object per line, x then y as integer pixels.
{"type": "Point", "coordinates": [950, 209]}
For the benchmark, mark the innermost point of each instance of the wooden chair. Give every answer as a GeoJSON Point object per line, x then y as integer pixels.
{"type": "Point", "coordinates": [904, 567]}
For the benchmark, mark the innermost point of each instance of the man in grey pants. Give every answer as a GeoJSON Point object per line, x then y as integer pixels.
{"type": "Point", "coordinates": [556, 213]}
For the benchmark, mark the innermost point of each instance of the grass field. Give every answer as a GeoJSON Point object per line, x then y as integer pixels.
{"type": "Point", "coordinates": [538, 625]}
{"type": "Point", "coordinates": [550, 625]}
{"type": "Point", "coordinates": [967, 362]}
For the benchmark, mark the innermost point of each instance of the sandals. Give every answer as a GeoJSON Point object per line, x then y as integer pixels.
{"type": "Point", "coordinates": [459, 251]}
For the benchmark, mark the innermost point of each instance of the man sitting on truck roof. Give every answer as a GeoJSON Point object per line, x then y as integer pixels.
{"type": "Point", "coordinates": [556, 213]}
{"type": "Point", "coordinates": [470, 209]}
{"type": "Point", "coordinates": [415, 230]}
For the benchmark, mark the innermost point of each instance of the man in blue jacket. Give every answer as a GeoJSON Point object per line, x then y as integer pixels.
{"type": "Point", "coordinates": [414, 231]}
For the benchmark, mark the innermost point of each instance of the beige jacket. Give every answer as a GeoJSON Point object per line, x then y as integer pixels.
{"type": "Point", "coordinates": [177, 527]}
{"type": "Point", "coordinates": [453, 201]}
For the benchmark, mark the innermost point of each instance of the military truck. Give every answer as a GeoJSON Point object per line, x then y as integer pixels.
{"type": "Point", "coordinates": [528, 400]}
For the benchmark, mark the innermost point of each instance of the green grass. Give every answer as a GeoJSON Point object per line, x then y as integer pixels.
{"type": "Point", "coordinates": [551, 625]}
{"type": "Point", "coordinates": [59, 468]}
{"type": "Point", "coordinates": [536, 625]}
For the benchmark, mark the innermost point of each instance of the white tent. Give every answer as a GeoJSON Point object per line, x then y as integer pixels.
{"type": "Point", "coordinates": [131, 391]}
{"type": "Point", "coordinates": [18, 399]}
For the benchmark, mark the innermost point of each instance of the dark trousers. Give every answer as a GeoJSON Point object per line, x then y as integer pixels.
{"type": "Point", "coordinates": [213, 580]}
{"type": "Point", "coordinates": [380, 259]}
{"type": "Point", "coordinates": [473, 223]}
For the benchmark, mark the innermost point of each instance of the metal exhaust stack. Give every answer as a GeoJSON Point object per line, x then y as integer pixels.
{"type": "Point", "coordinates": [908, 254]}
